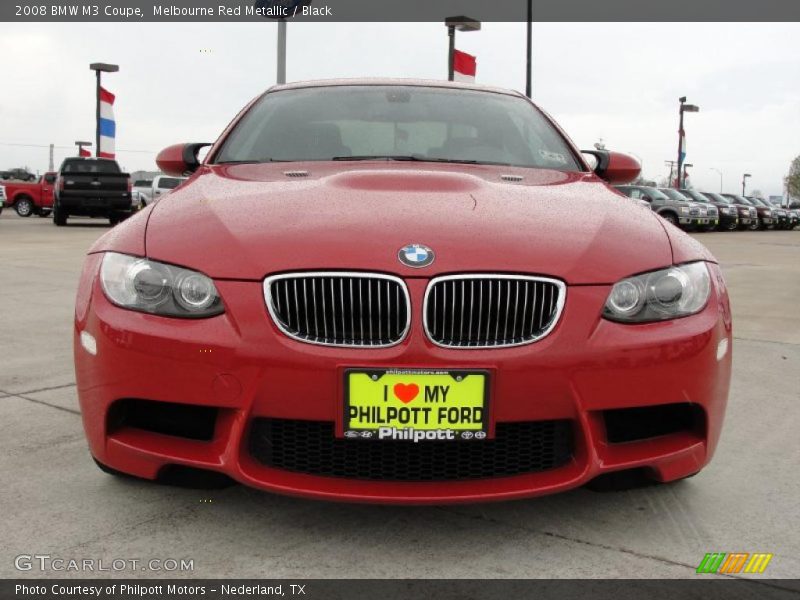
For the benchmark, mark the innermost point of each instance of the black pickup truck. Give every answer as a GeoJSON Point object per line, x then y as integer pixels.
{"type": "Point", "coordinates": [92, 187]}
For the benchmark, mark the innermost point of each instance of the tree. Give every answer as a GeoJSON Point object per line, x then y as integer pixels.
{"type": "Point", "coordinates": [758, 194]}
{"type": "Point", "coordinates": [792, 180]}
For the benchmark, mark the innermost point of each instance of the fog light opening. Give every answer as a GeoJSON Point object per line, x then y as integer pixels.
{"type": "Point", "coordinates": [188, 421]}
{"type": "Point", "coordinates": [645, 422]}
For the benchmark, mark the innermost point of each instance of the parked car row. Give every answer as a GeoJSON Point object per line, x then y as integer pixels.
{"type": "Point", "coordinates": [84, 186]}
{"type": "Point", "coordinates": [706, 211]}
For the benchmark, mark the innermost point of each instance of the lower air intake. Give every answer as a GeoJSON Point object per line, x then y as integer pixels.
{"type": "Point", "coordinates": [311, 447]}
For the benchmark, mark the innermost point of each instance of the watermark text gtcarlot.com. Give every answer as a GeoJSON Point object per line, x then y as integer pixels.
{"type": "Point", "coordinates": [46, 562]}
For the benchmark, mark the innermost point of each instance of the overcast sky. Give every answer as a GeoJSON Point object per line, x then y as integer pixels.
{"type": "Point", "coordinates": [618, 82]}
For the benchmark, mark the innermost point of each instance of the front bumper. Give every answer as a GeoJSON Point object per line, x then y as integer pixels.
{"type": "Point", "coordinates": [96, 205]}
{"type": "Point", "coordinates": [243, 366]}
{"type": "Point", "coordinates": [746, 221]}
{"type": "Point", "coordinates": [705, 222]}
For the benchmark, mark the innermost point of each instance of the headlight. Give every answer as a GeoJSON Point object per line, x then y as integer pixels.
{"type": "Point", "coordinates": [154, 287]}
{"type": "Point", "coordinates": [684, 210]}
{"type": "Point", "coordinates": [768, 213]}
{"type": "Point", "coordinates": [659, 295]}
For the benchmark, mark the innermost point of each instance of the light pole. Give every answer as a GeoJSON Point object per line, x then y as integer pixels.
{"type": "Point", "coordinates": [81, 145]}
{"type": "Point", "coordinates": [528, 70]}
{"type": "Point", "coordinates": [683, 108]}
{"type": "Point", "coordinates": [461, 23]}
{"type": "Point", "coordinates": [100, 68]}
{"type": "Point", "coordinates": [720, 177]}
{"type": "Point", "coordinates": [744, 181]}
{"type": "Point", "coordinates": [281, 51]}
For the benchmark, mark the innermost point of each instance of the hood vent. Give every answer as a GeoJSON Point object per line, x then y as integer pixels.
{"type": "Point", "coordinates": [511, 178]}
{"type": "Point", "coordinates": [296, 173]}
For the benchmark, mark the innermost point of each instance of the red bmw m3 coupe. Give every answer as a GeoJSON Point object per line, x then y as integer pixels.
{"type": "Point", "coordinates": [400, 291]}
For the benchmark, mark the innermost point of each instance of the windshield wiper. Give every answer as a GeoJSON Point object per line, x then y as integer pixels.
{"type": "Point", "coordinates": [409, 157]}
{"type": "Point", "coordinates": [420, 158]}
{"type": "Point", "coordinates": [252, 161]}
{"type": "Point", "coordinates": [466, 161]}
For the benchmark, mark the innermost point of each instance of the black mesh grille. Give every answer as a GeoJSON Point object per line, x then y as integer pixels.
{"type": "Point", "coordinates": [310, 447]}
{"type": "Point", "coordinates": [340, 309]}
{"type": "Point", "coordinates": [474, 311]}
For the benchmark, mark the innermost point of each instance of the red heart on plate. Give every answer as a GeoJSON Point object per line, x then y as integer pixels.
{"type": "Point", "coordinates": [406, 393]}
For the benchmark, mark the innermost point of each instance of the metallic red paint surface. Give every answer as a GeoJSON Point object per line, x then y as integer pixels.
{"type": "Point", "coordinates": [171, 160]}
{"type": "Point", "coordinates": [621, 168]}
{"type": "Point", "coordinates": [566, 224]}
{"type": "Point", "coordinates": [239, 224]}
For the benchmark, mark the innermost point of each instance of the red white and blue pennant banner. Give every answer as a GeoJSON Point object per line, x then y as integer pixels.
{"type": "Point", "coordinates": [108, 127]}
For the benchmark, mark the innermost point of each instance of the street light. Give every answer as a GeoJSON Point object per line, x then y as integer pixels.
{"type": "Point", "coordinates": [683, 108]}
{"type": "Point", "coordinates": [744, 181]}
{"type": "Point", "coordinates": [80, 146]}
{"type": "Point", "coordinates": [461, 23]}
{"type": "Point", "coordinates": [720, 177]}
{"type": "Point", "coordinates": [100, 68]}
{"type": "Point", "coordinates": [529, 52]}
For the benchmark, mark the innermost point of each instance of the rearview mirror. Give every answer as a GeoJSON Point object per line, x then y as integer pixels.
{"type": "Point", "coordinates": [613, 167]}
{"type": "Point", "coordinates": [180, 159]}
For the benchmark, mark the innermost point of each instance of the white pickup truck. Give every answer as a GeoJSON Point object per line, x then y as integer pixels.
{"type": "Point", "coordinates": [162, 184]}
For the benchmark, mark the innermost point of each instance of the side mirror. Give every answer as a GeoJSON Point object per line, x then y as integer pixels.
{"type": "Point", "coordinates": [180, 159]}
{"type": "Point", "coordinates": [647, 198]}
{"type": "Point", "coordinates": [614, 167]}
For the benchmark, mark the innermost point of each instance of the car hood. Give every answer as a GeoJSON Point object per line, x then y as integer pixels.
{"type": "Point", "coordinates": [247, 221]}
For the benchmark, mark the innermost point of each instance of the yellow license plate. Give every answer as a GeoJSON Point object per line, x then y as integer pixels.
{"type": "Point", "coordinates": [416, 405]}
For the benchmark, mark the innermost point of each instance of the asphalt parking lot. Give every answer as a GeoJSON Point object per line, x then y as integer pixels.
{"type": "Point", "coordinates": [55, 501]}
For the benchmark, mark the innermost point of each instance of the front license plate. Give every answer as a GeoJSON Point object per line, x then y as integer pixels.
{"type": "Point", "coordinates": [416, 405]}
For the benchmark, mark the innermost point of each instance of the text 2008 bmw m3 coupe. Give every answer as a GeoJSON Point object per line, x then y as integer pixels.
{"type": "Point", "coordinates": [400, 291]}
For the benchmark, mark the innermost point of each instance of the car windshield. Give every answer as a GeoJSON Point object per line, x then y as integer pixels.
{"type": "Point", "coordinates": [674, 194]}
{"type": "Point", "coordinates": [653, 193]}
{"type": "Point", "coordinates": [411, 123]}
{"type": "Point", "coordinates": [716, 197]}
{"type": "Point", "coordinates": [90, 166]}
{"type": "Point", "coordinates": [742, 200]}
{"type": "Point", "coordinates": [169, 183]}
{"type": "Point", "coordinates": [697, 196]}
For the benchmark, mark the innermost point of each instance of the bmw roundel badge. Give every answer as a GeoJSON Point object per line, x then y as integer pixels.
{"type": "Point", "coordinates": [416, 256]}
